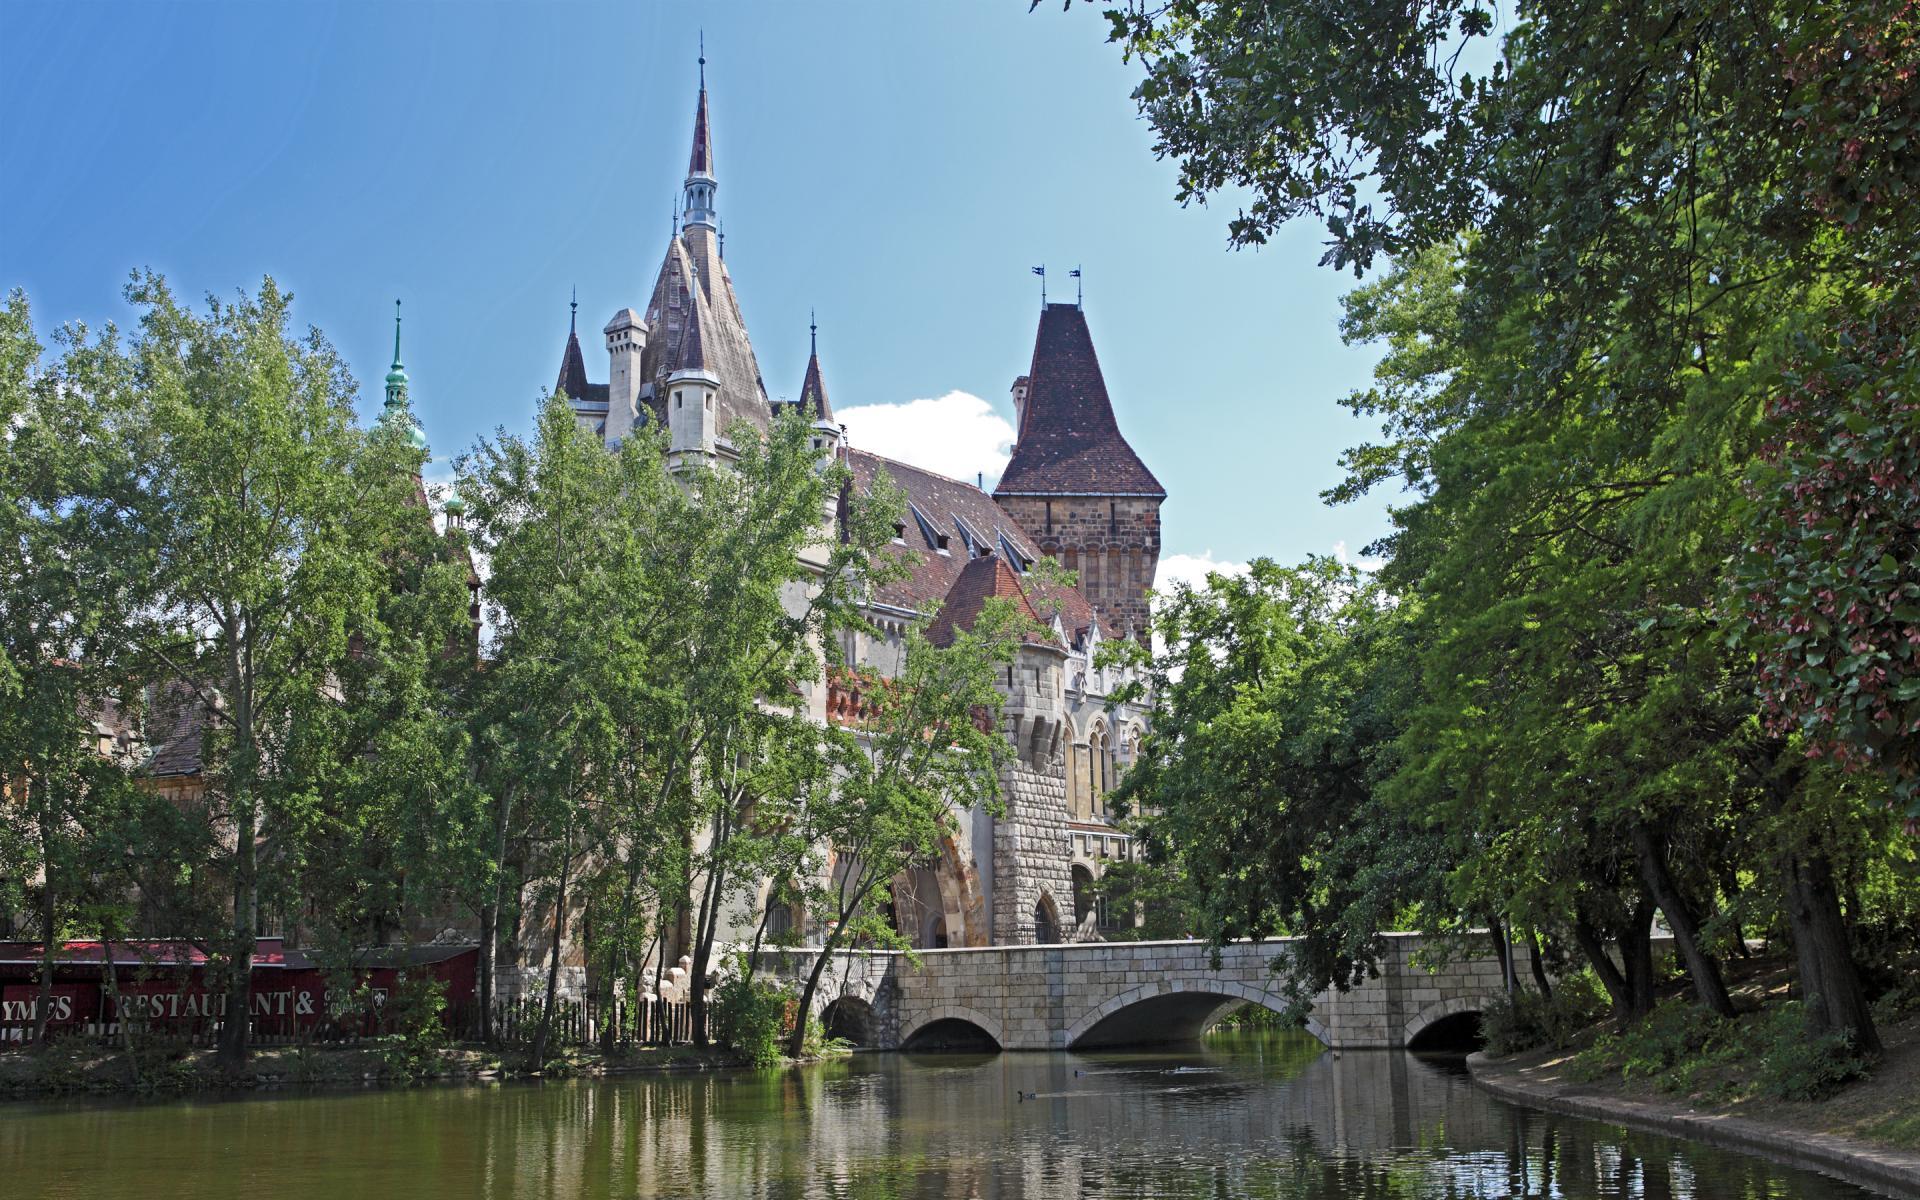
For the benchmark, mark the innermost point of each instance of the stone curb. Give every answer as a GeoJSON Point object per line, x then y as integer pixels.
{"type": "Point", "coordinates": [1895, 1171]}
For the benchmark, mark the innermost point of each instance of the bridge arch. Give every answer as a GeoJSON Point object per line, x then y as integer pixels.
{"type": "Point", "coordinates": [1168, 1011]}
{"type": "Point", "coordinates": [1439, 1011]}
{"type": "Point", "coordinates": [952, 1013]}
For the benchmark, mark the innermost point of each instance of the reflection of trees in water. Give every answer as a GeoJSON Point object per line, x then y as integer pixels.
{"type": "Point", "coordinates": [1282, 1122]}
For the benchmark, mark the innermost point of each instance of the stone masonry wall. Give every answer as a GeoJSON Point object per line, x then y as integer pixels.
{"type": "Point", "coordinates": [1111, 542]}
{"type": "Point", "coordinates": [1032, 853]}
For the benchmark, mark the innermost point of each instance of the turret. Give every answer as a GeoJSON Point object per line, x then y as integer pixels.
{"type": "Point", "coordinates": [829, 437]}
{"type": "Point", "coordinates": [692, 391]}
{"type": "Point", "coordinates": [626, 342]}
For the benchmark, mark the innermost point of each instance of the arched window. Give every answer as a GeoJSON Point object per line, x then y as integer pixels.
{"type": "Point", "coordinates": [1099, 770]}
{"type": "Point", "coordinates": [779, 919]}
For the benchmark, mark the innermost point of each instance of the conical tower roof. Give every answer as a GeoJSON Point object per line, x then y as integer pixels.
{"type": "Point", "coordinates": [1069, 443]}
{"type": "Point", "coordinates": [573, 364]}
{"type": "Point", "coordinates": [813, 389]}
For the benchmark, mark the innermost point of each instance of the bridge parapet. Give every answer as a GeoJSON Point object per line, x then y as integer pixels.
{"type": "Point", "coordinates": [1130, 993]}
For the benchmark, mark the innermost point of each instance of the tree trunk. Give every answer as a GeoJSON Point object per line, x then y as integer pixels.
{"type": "Point", "coordinates": [1636, 957]}
{"type": "Point", "coordinates": [232, 1052]}
{"type": "Point", "coordinates": [1502, 950]}
{"type": "Point", "coordinates": [1619, 992]}
{"type": "Point", "coordinates": [1829, 979]}
{"type": "Point", "coordinates": [49, 920]}
{"type": "Point", "coordinates": [797, 1040]}
{"type": "Point", "coordinates": [490, 919]}
{"type": "Point", "coordinates": [703, 953]}
{"type": "Point", "coordinates": [553, 955]}
{"type": "Point", "coordinates": [1702, 967]}
{"type": "Point", "coordinates": [1538, 967]}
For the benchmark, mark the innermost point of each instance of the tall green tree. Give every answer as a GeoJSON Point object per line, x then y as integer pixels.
{"type": "Point", "coordinates": [1645, 210]}
{"type": "Point", "coordinates": [926, 750]}
{"type": "Point", "coordinates": [263, 524]}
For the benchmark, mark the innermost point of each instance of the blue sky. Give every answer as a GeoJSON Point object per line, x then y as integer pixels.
{"type": "Point", "coordinates": [898, 167]}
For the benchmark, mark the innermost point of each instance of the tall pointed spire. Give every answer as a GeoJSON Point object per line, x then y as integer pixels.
{"type": "Point", "coordinates": [397, 376]}
{"type": "Point", "coordinates": [701, 184]}
{"type": "Point", "coordinates": [396, 406]}
{"type": "Point", "coordinates": [573, 363]}
{"type": "Point", "coordinates": [813, 389]}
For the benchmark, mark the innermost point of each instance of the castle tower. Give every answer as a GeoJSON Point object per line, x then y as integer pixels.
{"type": "Point", "coordinates": [626, 347]}
{"type": "Point", "coordinates": [691, 392]}
{"type": "Point", "coordinates": [1074, 483]}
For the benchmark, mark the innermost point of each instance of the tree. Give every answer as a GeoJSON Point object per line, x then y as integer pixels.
{"type": "Point", "coordinates": [927, 749]}
{"type": "Point", "coordinates": [1645, 211]}
{"type": "Point", "coordinates": [1274, 718]}
{"type": "Point", "coordinates": [258, 540]}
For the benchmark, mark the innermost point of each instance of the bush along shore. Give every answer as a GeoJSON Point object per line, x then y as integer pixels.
{"type": "Point", "coordinates": [1755, 1081]}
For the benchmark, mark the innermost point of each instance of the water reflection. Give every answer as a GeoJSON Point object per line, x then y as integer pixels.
{"type": "Point", "coordinates": [1248, 1115]}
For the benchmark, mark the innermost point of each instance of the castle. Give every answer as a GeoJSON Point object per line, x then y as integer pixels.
{"type": "Point", "coordinates": [1074, 490]}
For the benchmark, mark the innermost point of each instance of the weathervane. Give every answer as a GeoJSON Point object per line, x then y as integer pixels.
{"type": "Point", "coordinates": [1077, 298]}
{"type": "Point", "coordinates": [1041, 271]}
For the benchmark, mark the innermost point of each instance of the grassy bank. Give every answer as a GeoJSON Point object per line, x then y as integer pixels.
{"type": "Point", "coordinates": [1761, 1065]}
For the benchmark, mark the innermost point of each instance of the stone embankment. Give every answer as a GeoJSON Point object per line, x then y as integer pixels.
{"type": "Point", "coordinates": [1547, 1085]}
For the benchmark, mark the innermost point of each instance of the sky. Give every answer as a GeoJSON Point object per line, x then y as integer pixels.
{"type": "Point", "coordinates": [897, 168]}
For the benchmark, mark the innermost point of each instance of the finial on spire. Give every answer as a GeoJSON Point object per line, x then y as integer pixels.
{"type": "Point", "coordinates": [1078, 297]}
{"type": "Point", "coordinates": [1041, 271]}
{"type": "Point", "coordinates": [573, 311]}
{"type": "Point", "coordinates": [397, 374]}
{"type": "Point", "coordinates": [396, 334]}
{"type": "Point", "coordinates": [703, 60]}
{"type": "Point", "coordinates": [813, 333]}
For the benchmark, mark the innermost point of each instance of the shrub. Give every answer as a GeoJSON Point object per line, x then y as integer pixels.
{"type": "Point", "coordinates": [1527, 1020]}
{"type": "Point", "coordinates": [750, 1018]}
{"type": "Point", "coordinates": [1671, 1047]}
{"type": "Point", "coordinates": [415, 1027]}
{"type": "Point", "coordinates": [1798, 1065]}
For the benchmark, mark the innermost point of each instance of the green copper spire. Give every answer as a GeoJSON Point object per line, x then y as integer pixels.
{"type": "Point", "coordinates": [397, 391]}
{"type": "Point", "coordinates": [397, 377]}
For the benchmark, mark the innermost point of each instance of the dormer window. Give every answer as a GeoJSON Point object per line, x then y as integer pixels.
{"type": "Point", "coordinates": [900, 532]}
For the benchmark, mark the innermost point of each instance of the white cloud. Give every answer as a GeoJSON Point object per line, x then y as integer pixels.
{"type": "Point", "coordinates": [1193, 569]}
{"type": "Point", "coordinates": [1363, 561]}
{"type": "Point", "coordinates": [957, 434]}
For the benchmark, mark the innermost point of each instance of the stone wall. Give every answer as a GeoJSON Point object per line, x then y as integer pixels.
{"type": "Point", "coordinates": [1032, 853]}
{"type": "Point", "coordinates": [1111, 542]}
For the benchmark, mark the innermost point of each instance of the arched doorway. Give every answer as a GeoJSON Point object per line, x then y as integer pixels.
{"type": "Point", "coordinates": [1046, 922]}
{"type": "Point", "coordinates": [1083, 902]}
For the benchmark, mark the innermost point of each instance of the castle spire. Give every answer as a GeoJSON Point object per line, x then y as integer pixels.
{"type": "Point", "coordinates": [813, 389]}
{"type": "Point", "coordinates": [701, 184]}
{"type": "Point", "coordinates": [396, 407]}
{"type": "Point", "coordinates": [573, 362]}
{"type": "Point", "coordinates": [397, 376]}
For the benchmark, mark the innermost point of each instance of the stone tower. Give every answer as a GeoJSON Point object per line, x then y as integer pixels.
{"type": "Point", "coordinates": [1074, 483]}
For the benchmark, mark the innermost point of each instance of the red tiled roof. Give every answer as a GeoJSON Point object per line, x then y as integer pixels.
{"type": "Point", "coordinates": [982, 579]}
{"type": "Point", "coordinates": [943, 502]}
{"type": "Point", "coordinates": [1069, 443]}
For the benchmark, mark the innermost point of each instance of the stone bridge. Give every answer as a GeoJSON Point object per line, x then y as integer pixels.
{"type": "Point", "coordinates": [1088, 994]}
